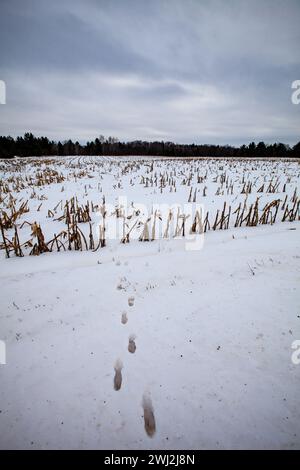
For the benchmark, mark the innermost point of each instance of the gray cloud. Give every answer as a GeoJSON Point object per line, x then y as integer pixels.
{"type": "Point", "coordinates": [182, 70]}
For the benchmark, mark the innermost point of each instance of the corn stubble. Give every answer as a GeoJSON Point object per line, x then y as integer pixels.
{"type": "Point", "coordinates": [82, 234]}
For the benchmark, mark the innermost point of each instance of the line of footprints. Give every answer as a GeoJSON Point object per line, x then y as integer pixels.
{"type": "Point", "coordinates": [149, 419]}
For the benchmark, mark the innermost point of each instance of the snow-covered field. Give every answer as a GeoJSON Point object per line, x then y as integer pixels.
{"type": "Point", "coordinates": [194, 331]}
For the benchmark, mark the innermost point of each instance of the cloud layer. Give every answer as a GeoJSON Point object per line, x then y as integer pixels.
{"type": "Point", "coordinates": [180, 70]}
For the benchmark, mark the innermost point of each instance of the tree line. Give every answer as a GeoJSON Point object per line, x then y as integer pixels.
{"type": "Point", "coordinates": [29, 145]}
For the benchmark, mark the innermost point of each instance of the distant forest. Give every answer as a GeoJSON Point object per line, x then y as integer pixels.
{"type": "Point", "coordinates": [29, 145]}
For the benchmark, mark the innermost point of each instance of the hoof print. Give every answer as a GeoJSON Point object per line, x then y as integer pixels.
{"type": "Point", "coordinates": [149, 419]}
{"type": "Point", "coordinates": [132, 345]}
{"type": "Point", "coordinates": [130, 301]}
{"type": "Point", "coordinates": [118, 375]}
{"type": "Point", "coordinates": [124, 318]}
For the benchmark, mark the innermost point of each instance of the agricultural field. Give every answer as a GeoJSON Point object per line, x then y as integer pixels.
{"type": "Point", "coordinates": [149, 303]}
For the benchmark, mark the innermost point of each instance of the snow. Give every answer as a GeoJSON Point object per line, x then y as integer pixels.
{"type": "Point", "coordinates": [213, 328]}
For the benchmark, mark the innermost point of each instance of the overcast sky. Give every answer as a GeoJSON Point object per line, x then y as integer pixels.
{"type": "Point", "coordinates": [181, 70]}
